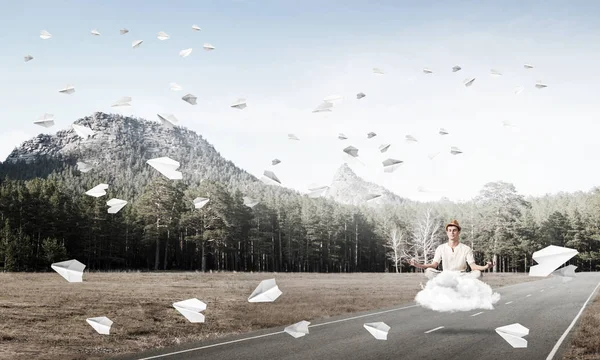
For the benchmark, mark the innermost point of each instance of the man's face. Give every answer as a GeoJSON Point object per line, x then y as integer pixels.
{"type": "Point", "coordinates": [452, 232]}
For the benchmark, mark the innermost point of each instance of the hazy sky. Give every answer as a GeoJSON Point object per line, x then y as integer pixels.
{"type": "Point", "coordinates": [284, 57]}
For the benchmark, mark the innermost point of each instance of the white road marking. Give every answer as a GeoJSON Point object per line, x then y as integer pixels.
{"type": "Point", "coordinates": [510, 302]}
{"type": "Point", "coordinates": [269, 334]}
{"type": "Point", "coordinates": [479, 313]}
{"type": "Point", "coordinates": [432, 330]}
{"type": "Point", "coordinates": [564, 335]}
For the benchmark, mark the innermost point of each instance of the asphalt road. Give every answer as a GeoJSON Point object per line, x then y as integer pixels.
{"type": "Point", "coordinates": [546, 307]}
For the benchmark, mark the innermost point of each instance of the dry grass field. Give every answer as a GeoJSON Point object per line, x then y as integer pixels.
{"type": "Point", "coordinates": [42, 316]}
{"type": "Point", "coordinates": [585, 343]}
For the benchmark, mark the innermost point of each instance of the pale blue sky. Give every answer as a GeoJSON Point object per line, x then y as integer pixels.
{"type": "Point", "coordinates": [284, 57]}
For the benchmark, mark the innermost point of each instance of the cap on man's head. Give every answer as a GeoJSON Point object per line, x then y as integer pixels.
{"type": "Point", "coordinates": [453, 223]}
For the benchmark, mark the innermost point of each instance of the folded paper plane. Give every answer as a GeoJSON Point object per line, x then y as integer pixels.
{"type": "Point", "coordinates": [208, 47]}
{"type": "Point", "coordinates": [549, 259]}
{"type": "Point", "coordinates": [123, 31]}
{"type": "Point", "coordinates": [136, 43]}
{"type": "Point", "coordinates": [28, 58]}
{"type": "Point", "coordinates": [456, 68]}
{"type": "Point", "coordinates": [100, 324]}
{"type": "Point", "coordinates": [384, 147]}
{"type": "Point", "coordinates": [292, 137]}
{"type": "Point", "coordinates": [196, 28]}
{"type": "Point", "coordinates": [45, 35]}
{"type": "Point", "coordinates": [427, 71]}
{"type": "Point", "coordinates": [239, 104]}
{"type": "Point", "coordinates": [46, 120]}
{"type": "Point", "coordinates": [189, 98]}
{"type": "Point", "coordinates": [378, 329]}
{"type": "Point", "coordinates": [69, 89]}
{"type": "Point", "coordinates": [163, 36]}
{"type": "Point", "coordinates": [455, 151]}
{"type": "Point", "coordinates": [370, 197]}
{"type": "Point", "coordinates": [378, 71]}
{"type": "Point", "coordinates": [540, 85]}
{"type": "Point", "coordinates": [71, 270]}
{"type": "Point", "coordinates": [351, 150]}
{"type": "Point", "coordinates": [410, 138]}
{"type": "Point", "coordinates": [298, 329]}
{"type": "Point", "coordinates": [167, 167]}
{"type": "Point", "coordinates": [83, 131]}
{"type": "Point", "coordinates": [124, 101]}
{"type": "Point", "coordinates": [168, 120]}
{"type": "Point", "coordinates": [275, 162]}
{"type": "Point", "coordinates": [185, 52]}
{"type": "Point", "coordinates": [270, 178]}
{"type": "Point", "coordinates": [191, 309]}
{"type": "Point", "coordinates": [199, 202]}
{"type": "Point", "coordinates": [360, 95]}
{"type": "Point", "coordinates": [175, 87]}
{"type": "Point", "coordinates": [443, 131]}
{"type": "Point", "coordinates": [528, 66]}
{"type": "Point", "coordinates": [390, 165]}
{"type": "Point", "coordinates": [95, 32]}
{"type": "Point", "coordinates": [342, 136]}
{"type": "Point", "coordinates": [115, 205]}
{"type": "Point", "coordinates": [266, 291]}
{"type": "Point", "coordinates": [250, 202]}
{"type": "Point", "coordinates": [468, 82]}
{"type": "Point", "coordinates": [325, 106]}
{"type": "Point", "coordinates": [84, 167]}
{"type": "Point", "coordinates": [495, 72]}
{"type": "Point", "coordinates": [371, 135]}
{"type": "Point", "coordinates": [97, 191]}
{"type": "Point", "coordinates": [514, 334]}
{"type": "Point", "coordinates": [333, 98]}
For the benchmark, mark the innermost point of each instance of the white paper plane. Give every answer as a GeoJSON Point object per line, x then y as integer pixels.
{"type": "Point", "coordinates": [71, 270]}
{"type": "Point", "coordinates": [332, 98]}
{"type": "Point", "coordinates": [266, 291]}
{"type": "Point", "coordinates": [162, 36]}
{"type": "Point", "coordinates": [83, 131]}
{"type": "Point", "coordinates": [495, 73]}
{"type": "Point", "coordinates": [208, 47]}
{"type": "Point", "coordinates": [514, 334]}
{"type": "Point", "coordinates": [136, 43]}
{"type": "Point", "coordinates": [455, 151]}
{"type": "Point", "coordinates": [342, 136]}
{"type": "Point", "coordinates": [84, 167]}
{"type": "Point", "coordinates": [95, 32]}
{"type": "Point", "coordinates": [443, 131]}
{"type": "Point", "coordinates": [189, 98]}
{"type": "Point", "coordinates": [97, 191]}
{"type": "Point", "coordinates": [124, 101]}
{"type": "Point", "coordinates": [100, 324]}
{"type": "Point", "coordinates": [378, 71]}
{"type": "Point", "coordinates": [325, 106]}
{"type": "Point", "coordinates": [115, 205]}
{"type": "Point", "coordinates": [456, 68]}
{"type": "Point", "coordinates": [384, 147]}
{"type": "Point", "coordinates": [427, 71]}
{"type": "Point", "coordinates": [275, 162]}
{"type": "Point", "coordinates": [370, 197]}
{"type": "Point", "coordinates": [196, 28]}
{"type": "Point", "coordinates": [167, 167]}
{"type": "Point", "coordinates": [410, 138]}
{"type": "Point", "coordinates": [239, 104]}
{"type": "Point", "coordinates": [250, 202]}
{"type": "Point", "coordinates": [46, 120]}
{"type": "Point", "coordinates": [298, 329]}
{"type": "Point", "coordinates": [360, 95]}
{"type": "Point", "coordinates": [390, 165]}
{"type": "Point", "coordinates": [293, 137]}
{"type": "Point", "coordinates": [378, 329]}
{"type": "Point", "coordinates": [175, 87]}
{"type": "Point", "coordinates": [191, 309]}
{"type": "Point", "coordinates": [540, 85]}
{"type": "Point", "coordinates": [549, 259]}
{"type": "Point", "coordinates": [351, 150]}
{"type": "Point", "coordinates": [123, 31]}
{"type": "Point", "coordinates": [371, 135]}
{"type": "Point", "coordinates": [185, 52]}
{"type": "Point", "coordinates": [270, 178]}
{"type": "Point", "coordinates": [528, 66]}
{"type": "Point", "coordinates": [168, 120]}
{"type": "Point", "coordinates": [28, 58]}
{"type": "Point", "coordinates": [45, 35]}
{"type": "Point", "coordinates": [69, 89]}
{"type": "Point", "coordinates": [468, 82]}
{"type": "Point", "coordinates": [199, 202]}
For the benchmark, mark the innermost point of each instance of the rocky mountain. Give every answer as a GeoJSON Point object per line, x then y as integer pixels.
{"type": "Point", "coordinates": [349, 188]}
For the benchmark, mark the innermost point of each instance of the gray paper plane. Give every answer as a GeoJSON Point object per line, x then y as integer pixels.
{"type": "Point", "coordinates": [456, 68]}
{"type": "Point", "coordinates": [360, 95]}
{"type": "Point", "coordinates": [189, 98]}
{"type": "Point", "coordinates": [352, 151]}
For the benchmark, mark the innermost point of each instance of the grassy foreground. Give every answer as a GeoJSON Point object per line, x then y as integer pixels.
{"type": "Point", "coordinates": [43, 316]}
{"type": "Point", "coordinates": [585, 340]}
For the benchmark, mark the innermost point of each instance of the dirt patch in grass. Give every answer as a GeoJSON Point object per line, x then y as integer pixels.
{"type": "Point", "coordinates": [43, 316]}
{"type": "Point", "coordinates": [585, 340]}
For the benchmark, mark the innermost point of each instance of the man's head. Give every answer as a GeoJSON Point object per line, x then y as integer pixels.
{"type": "Point", "coordinates": [453, 230]}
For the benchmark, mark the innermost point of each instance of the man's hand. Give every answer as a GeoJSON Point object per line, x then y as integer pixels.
{"type": "Point", "coordinates": [413, 262]}
{"type": "Point", "coordinates": [490, 264]}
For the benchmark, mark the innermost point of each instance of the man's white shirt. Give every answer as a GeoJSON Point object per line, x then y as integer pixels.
{"type": "Point", "coordinates": [454, 260]}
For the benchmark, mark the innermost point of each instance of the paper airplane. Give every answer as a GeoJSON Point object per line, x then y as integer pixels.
{"type": "Point", "coordinates": [239, 104]}
{"type": "Point", "coordinates": [208, 47]}
{"type": "Point", "coordinates": [124, 101]}
{"type": "Point", "coordinates": [332, 98]}
{"type": "Point", "coordinates": [360, 95]}
{"type": "Point", "coordinates": [100, 324]}
{"type": "Point", "coordinates": [189, 98]}
{"type": "Point", "coordinates": [185, 52]}
{"type": "Point", "coordinates": [456, 68]}
{"type": "Point", "coordinates": [84, 167]}
{"type": "Point", "coordinates": [378, 329]}
{"type": "Point", "coordinates": [250, 202]}
{"type": "Point", "coordinates": [540, 85]}
{"type": "Point", "coordinates": [549, 259]}
{"type": "Point", "coordinates": [46, 120]}
{"type": "Point", "coordinates": [136, 43]}
{"type": "Point", "coordinates": [370, 197]}
{"type": "Point", "coordinates": [28, 58]}
{"type": "Point", "coordinates": [270, 178]}
{"type": "Point", "coordinates": [196, 28]}
{"type": "Point", "coordinates": [342, 136]}
{"type": "Point", "coordinates": [371, 135]}
{"type": "Point", "coordinates": [410, 138]}
{"type": "Point", "coordinates": [528, 66]}
{"type": "Point", "coordinates": [115, 205]}
{"type": "Point", "coordinates": [191, 309]}
{"type": "Point", "coordinates": [67, 90]}
{"type": "Point", "coordinates": [292, 137]}
{"type": "Point", "coordinates": [45, 35]}
{"type": "Point", "coordinates": [323, 107]}
{"type": "Point", "coordinates": [427, 71]}
{"type": "Point", "coordinates": [384, 147]}
{"type": "Point", "coordinates": [432, 156]}
{"type": "Point", "coordinates": [443, 131]}
{"type": "Point", "coordinates": [83, 131]}
{"type": "Point", "coordinates": [455, 151]}
{"type": "Point", "coordinates": [513, 334]}
{"type": "Point", "coordinates": [495, 72]}
{"type": "Point", "coordinates": [275, 162]}
{"type": "Point", "coordinates": [299, 329]}
{"type": "Point", "coordinates": [162, 36]}
{"type": "Point", "coordinates": [167, 167]}
{"type": "Point", "coordinates": [469, 82]}
{"type": "Point", "coordinates": [266, 291]}
{"type": "Point", "coordinates": [378, 71]}
{"type": "Point", "coordinates": [352, 151]}
{"type": "Point", "coordinates": [199, 202]}
{"type": "Point", "coordinates": [175, 87]}
{"type": "Point", "coordinates": [123, 31]}
{"type": "Point", "coordinates": [95, 32]}
{"type": "Point", "coordinates": [168, 120]}
{"type": "Point", "coordinates": [71, 270]}
{"type": "Point", "coordinates": [390, 165]}
{"type": "Point", "coordinates": [97, 191]}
